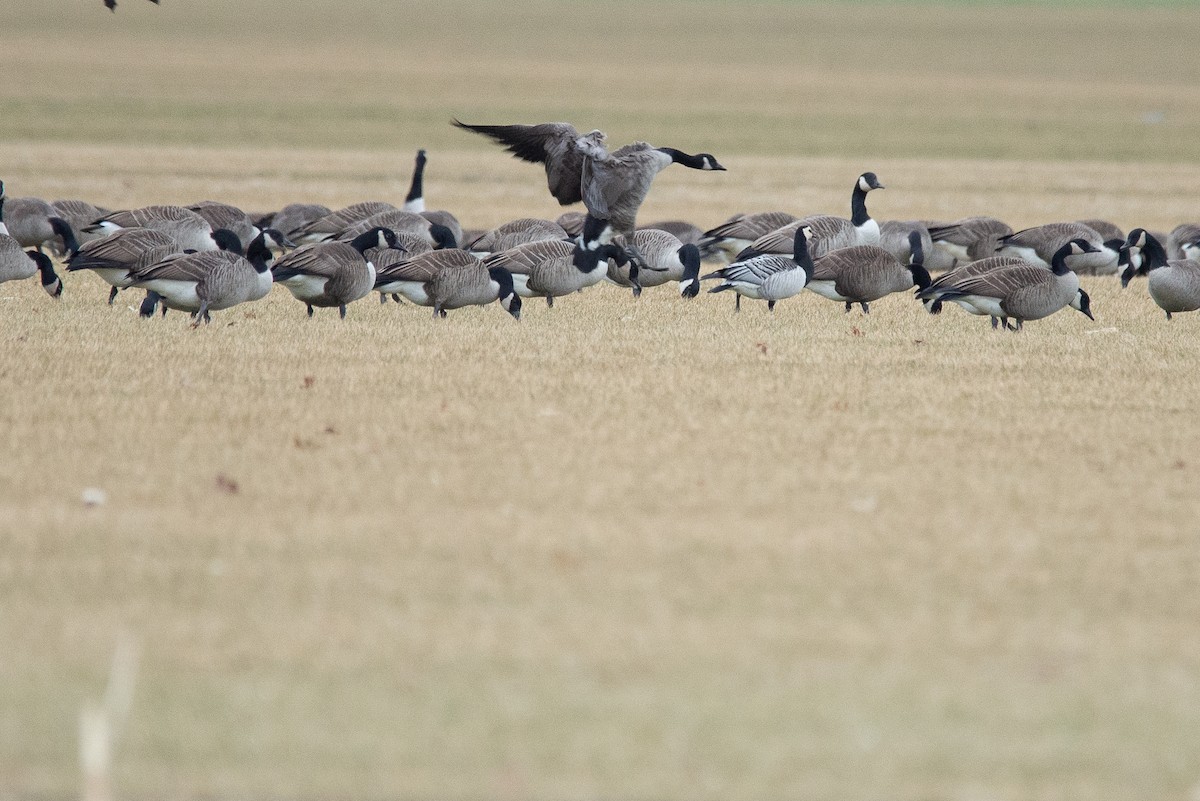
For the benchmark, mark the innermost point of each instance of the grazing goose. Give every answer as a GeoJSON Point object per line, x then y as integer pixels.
{"type": "Point", "coordinates": [556, 145]}
{"type": "Point", "coordinates": [332, 273]}
{"type": "Point", "coordinates": [829, 233]}
{"type": "Point", "coordinates": [666, 257]}
{"type": "Point", "coordinates": [410, 276]}
{"type": "Point", "coordinates": [203, 281]}
{"type": "Point", "coordinates": [78, 213]}
{"type": "Point", "coordinates": [407, 246]}
{"type": "Point", "coordinates": [769, 277]}
{"type": "Point", "coordinates": [1174, 284]}
{"type": "Point", "coordinates": [1025, 291]}
{"type": "Point", "coordinates": [865, 273]}
{"type": "Point", "coordinates": [448, 221]}
{"type": "Point", "coordinates": [516, 232]}
{"type": "Point", "coordinates": [474, 284]}
{"type": "Point", "coordinates": [189, 230]}
{"type": "Point", "coordinates": [17, 265]}
{"type": "Point", "coordinates": [400, 222]}
{"type": "Point", "coordinates": [894, 237]}
{"type": "Point", "coordinates": [1181, 235]}
{"type": "Point", "coordinates": [931, 295]}
{"type": "Point", "coordinates": [294, 216]}
{"type": "Point", "coordinates": [572, 222]}
{"type": "Point", "coordinates": [615, 185]}
{"type": "Point", "coordinates": [132, 250]}
{"type": "Point", "coordinates": [34, 223]}
{"type": "Point", "coordinates": [1038, 246]}
{"type": "Point", "coordinates": [554, 268]}
{"type": "Point", "coordinates": [335, 222]}
{"type": "Point", "coordinates": [687, 233]}
{"type": "Point", "coordinates": [969, 239]}
{"type": "Point", "coordinates": [231, 218]}
{"type": "Point", "coordinates": [739, 232]}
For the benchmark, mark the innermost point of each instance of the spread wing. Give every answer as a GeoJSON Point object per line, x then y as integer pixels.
{"type": "Point", "coordinates": [550, 143]}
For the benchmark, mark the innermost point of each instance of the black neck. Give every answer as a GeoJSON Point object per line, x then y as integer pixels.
{"type": "Point", "coordinates": [1153, 254]}
{"type": "Point", "coordinates": [916, 249]}
{"type": "Point", "coordinates": [417, 190]}
{"type": "Point", "coordinates": [686, 159]}
{"type": "Point", "coordinates": [63, 229]}
{"type": "Point", "coordinates": [259, 254]}
{"type": "Point", "coordinates": [858, 206]}
{"type": "Point", "coordinates": [800, 254]}
{"type": "Point", "coordinates": [1059, 263]}
{"type": "Point", "coordinates": [586, 260]}
{"type": "Point", "coordinates": [366, 240]}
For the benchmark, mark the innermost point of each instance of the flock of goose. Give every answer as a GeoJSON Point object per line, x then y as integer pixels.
{"type": "Point", "coordinates": [211, 256]}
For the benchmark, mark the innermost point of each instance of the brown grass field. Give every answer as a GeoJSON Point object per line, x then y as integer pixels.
{"type": "Point", "coordinates": [626, 550]}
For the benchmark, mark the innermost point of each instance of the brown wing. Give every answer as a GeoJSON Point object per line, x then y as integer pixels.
{"type": "Point", "coordinates": [549, 143]}
{"type": "Point", "coordinates": [522, 259]}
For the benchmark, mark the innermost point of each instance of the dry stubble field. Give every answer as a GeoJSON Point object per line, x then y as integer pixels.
{"type": "Point", "coordinates": [619, 549]}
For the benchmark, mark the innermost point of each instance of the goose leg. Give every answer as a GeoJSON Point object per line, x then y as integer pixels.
{"type": "Point", "coordinates": [382, 299]}
{"type": "Point", "coordinates": [149, 304]}
{"type": "Point", "coordinates": [112, 295]}
{"type": "Point", "coordinates": [1168, 315]}
{"type": "Point", "coordinates": [849, 306]}
{"type": "Point", "coordinates": [342, 311]}
{"type": "Point", "coordinates": [550, 301]}
{"type": "Point", "coordinates": [201, 313]}
{"type": "Point", "coordinates": [866, 307]}
{"type": "Point", "coordinates": [396, 297]}
{"type": "Point", "coordinates": [310, 309]}
{"type": "Point", "coordinates": [737, 303]}
{"type": "Point", "coordinates": [771, 306]}
{"type": "Point", "coordinates": [437, 312]}
{"type": "Point", "coordinates": [995, 323]}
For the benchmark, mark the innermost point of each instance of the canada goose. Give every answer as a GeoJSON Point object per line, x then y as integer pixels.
{"type": "Point", "coordinates": [739, 232]}
{"type": "Point", "coordinates": [17, 265]}
{"type": "Point", "coordinates": [615, 185]}
{"type": "Point", "coordinates": [415, 200]}
{"type": "Point", "coordinates": [556, 145]}
{"type": "Point", "coordinates": [78, 213]}
{"type": "Point", "coordinates": [769, 277]}
{"type": "Point", "coordinates": [516, 232]}
{"type": "Point", "coordinates": [294, 216]}
{"type": "Point", "coordinates": [205, 281]}
{"type": "Point", "coordinates": [969, 239]}
{"type": "Point", "coordinates": [865, 273]}
{"type": "Point", "coordinates": [473, 285]}
{"type": "Point", "coordinates": [132, 250]}
{"type": "Point", "coordinates": [572, 222]}
{"type": "Point", "coordinates": [409, 277]}
{"type": "Point", "coordinates": [332, 273]}
{"type": "Point", "coordinates": [34, 223]}
{"type": "Point", "coordinates": [1038, 246]}
{"type": "Point", "coordinates": [667, 258]}
{"type": "Point", "coordinates": [828, 232]}
{"type": "Point", "coordinates": [335, 222]}
{"type": "Point", "coordinates": [400, 222]}
{"type": "Point", "coordinates": [231, 218]}
{"type": "Point", "coordinates": [687, 233]}
{"type": "Point", "coordinates": [1174, 284]}
{"type": "Point", "coordinates": [554, 268]}
{"type": "Point", "coordinates": [1181, 235]}
{"type": "Point", "coordinates": [1026, 291]}
{"type": "Point", "coordinates": [407, 246]}
{"type": "Point", "coordinates": [894, 238]}
{"type": "Point", "coordinates": [931, 295]}
{"type": "Point", "coordinates": [189, 230]}
{"type": "Point", "coordinates": [448, 221]}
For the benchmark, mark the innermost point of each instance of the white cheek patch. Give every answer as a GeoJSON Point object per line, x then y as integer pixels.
{"type": "Point", "coordinates": [863, 185]}
{"type": "Point", "coordinates": [683, 285]}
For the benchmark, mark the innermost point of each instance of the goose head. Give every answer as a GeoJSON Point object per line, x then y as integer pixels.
{"type": "Point", "coordinates": [689, 283]}
{"type": "Point", "coordinates": [507, 295]}
{"type": "Point", "coordinates": [377, 237]}
{"type": "Point", "coordinates": [868, 181]}
{"type": "Point", "coordinates": [50, 280]}
{"type": "Point", "coordinates": [1145, 251]}
{"type": "Point", "coordinates": [1083, 302]}
{"type": "Point", "coordinates": [709, 162]}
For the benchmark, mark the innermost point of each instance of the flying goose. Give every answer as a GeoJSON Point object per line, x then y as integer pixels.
{"type": "Point", "coordinates": [33, 222]}
{"type": "Point", "coordinates": [865, 273]}
{"type": "Point", "coordinates": [767, 276]}
{"type": "Point", "coordinates": [1038, 246]}
{"type": "Point", "coordinates": [132, 250]}
{"type": "Point", "coordinates": [666, 257]}
{"type": "Point", "coordinates": [1025, 291]}
{"type": "Point", "coordinates": [400, 222]}
{"type": "Point", "coordinates": [1174, 284]}
{"type": "Point", "coordinates": [203, 281]}
{"type": "Point", "coordinates": [410, 276]}
{"type": "Point", "coordinates": [970, 238]}
{"type": "Point", "coordinates": [556, 145]}
{"type": "Point", "coordinates": [473, 284]}
{"type": "Point", "coordinates": [516, 232]}
{"type": "Point", "coordinates": [615, 185]}
{"type": "Point", "coordinates": [189, 230]}
{"type": "Point", "coordinates": [739, 232]}
{"type": "Point", "coordinates": [332, 273]}
{"type": "Point", "coordinates": [554, 268]}
{"type": "Point", "coordinates": [231, 218]}
{"type": "Point", "coordinates": [828, 232]}
{"type": "Point", "coordinates": [111, 5]}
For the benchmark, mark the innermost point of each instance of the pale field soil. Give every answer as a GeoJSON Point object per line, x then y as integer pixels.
{"type": "Point", "coordinates": [620, 549]}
